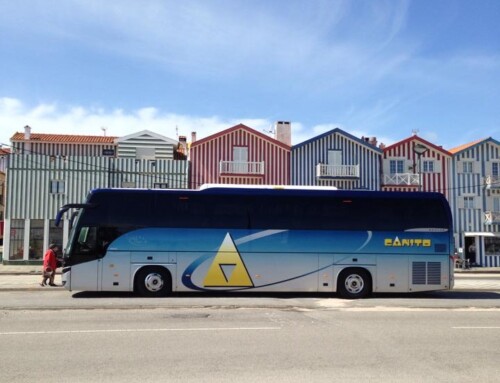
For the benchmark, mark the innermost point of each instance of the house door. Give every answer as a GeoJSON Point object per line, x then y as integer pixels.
{"type": "Point", "coordinates": [470, 249]}
{"type": "Point", "coordinates": [240, 159]}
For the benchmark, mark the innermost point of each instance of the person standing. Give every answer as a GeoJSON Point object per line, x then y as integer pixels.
{"type": "Point", "coordinates": [472, 254]}
{"type": "Point", "coordinates": [50, 265]}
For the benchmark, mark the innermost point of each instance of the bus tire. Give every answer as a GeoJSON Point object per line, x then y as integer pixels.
{"type": "Point", "coordinates": [354, 283]}
{"type": "Point", "coordinates": [153, 282]}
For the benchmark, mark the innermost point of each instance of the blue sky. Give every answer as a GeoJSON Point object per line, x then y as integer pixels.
{"type": "Point", "coordinates": [373, 68]}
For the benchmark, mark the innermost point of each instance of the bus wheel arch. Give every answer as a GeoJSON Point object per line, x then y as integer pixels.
{"type": "Point", "coordinates": [354, 283]}
{"type": "Point", "coordinates": [153, 281]}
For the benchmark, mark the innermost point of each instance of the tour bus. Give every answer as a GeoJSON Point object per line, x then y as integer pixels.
{"type": "Point", "coordinates": [259, 239]}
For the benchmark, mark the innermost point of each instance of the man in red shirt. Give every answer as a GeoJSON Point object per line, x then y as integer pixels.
{"type": "Point", "coordinates": [50, 265]}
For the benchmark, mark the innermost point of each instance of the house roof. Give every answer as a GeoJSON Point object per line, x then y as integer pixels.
{"type": "Point", "coordinates": [64, 138]}
{"type": "Point", "coordinates": [342, 132]}
{"type": "Point", "coordinates": [238, 127]}
{"type": "Point", "coordinates": [4, 151]}
{"type": "Point", "coordinates": [420, 139]}
{"type": "Point", "coordinates": [472, 144]}
{"type": "Point", "coordinates": [146, 134]}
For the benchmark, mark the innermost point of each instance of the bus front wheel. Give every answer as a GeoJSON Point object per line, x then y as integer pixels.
{"type": "Point", "coordinates": [153, 282]}
{"type": "Point", "coordinates": [354, 284]}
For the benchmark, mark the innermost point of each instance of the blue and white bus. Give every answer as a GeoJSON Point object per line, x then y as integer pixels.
{"type": "Point", "coordinates": [244, 239]}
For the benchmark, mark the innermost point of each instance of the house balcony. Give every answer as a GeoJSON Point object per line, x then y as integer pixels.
{"type": "Point", "coordinates": [491, 217]}
{"type": "Point", "coordinates": [238, 167]}
{"type": "Point", "coordinates": [337, 171]}
{"type": "Point", "coordinates": [402, 179]}
{"type": "Point", "coordinates": [492, 182]}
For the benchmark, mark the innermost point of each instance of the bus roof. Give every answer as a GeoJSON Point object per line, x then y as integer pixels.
{"type": "Point", "coordinates": [279, 187]}
{"type": "Point", "coordinates": [274, 191]}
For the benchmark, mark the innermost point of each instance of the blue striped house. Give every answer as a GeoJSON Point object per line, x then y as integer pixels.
{"type": "Point", "coordinates": [337, 158]}
{"type": "Point", "coordinates": [475, 201]}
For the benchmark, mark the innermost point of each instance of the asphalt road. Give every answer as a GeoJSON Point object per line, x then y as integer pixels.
{"type": "Point", "coordinates": [50, 334]}
{"type": "Point", "coordinates": [248, 344]}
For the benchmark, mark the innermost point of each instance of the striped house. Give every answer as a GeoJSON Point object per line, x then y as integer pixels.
{"type": "Point", "coordinates": [476, 201]}
{"type": "Point", "coordinates": [148, 160]}
{"type": "Point", "coordinates": [415, 164]}
{"type": "Point", "coordinates": [4, 154]}
{"type": "Point", "coordinates": [44, 172]}
{"type": "Point", "coordinates": [241, 155]}
{"type": "Point", "coordinates": [338, 159]}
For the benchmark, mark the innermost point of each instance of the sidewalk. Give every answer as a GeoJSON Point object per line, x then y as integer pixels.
{"type": "Point", "coordinates": [21, 269]}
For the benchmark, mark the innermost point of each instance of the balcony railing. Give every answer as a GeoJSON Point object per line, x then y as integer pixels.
{"type": "Point", "coordinates": [337, 171]}
{"type": "Point", "coordinates": [491, 217]}
{"type": "Point", "coordinates": [236, 167]}
{"type": "Point", "coordinates": [492, 182]}
{"type": "Point", "coordinates": [410, 179]}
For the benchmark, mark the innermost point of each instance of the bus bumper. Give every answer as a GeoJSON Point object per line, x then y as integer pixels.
{"type": "Point", "coordinates": [66, 278]}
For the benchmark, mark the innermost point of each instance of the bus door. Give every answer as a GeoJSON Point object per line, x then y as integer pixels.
{"type": "Point", "coordinates": [116, 271]}
{"type": "Point", "coordinates": [86, 262]}
{"type": "Point", "coordinates": [86, 276]}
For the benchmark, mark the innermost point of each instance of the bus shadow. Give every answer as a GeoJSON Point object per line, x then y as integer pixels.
{"type": "Point", "coordinates": [430, 295]}
{"type": "Point", "coordinates": [208, 295]}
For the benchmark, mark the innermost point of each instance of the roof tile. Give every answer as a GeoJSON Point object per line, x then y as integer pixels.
{"type": "Point", "coordinates": [64, 138]}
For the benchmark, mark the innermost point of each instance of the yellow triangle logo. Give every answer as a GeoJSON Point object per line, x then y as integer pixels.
{"type": "Point", "coordinates": [227, 268]}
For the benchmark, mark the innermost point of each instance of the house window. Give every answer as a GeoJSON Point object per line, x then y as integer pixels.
{"type": "Point", "coordinates": [334, 157]}
{"type": "Point", "coordinates": [468, 202]}
{"type": "Point", "coordinates": [467, 167]}
{"type": "Point", "coordinates": [496, 204]}
{"type": "Point", "coordinates": [55, 233]}
{"type": "Point", "coordinates": [428, 166]}
{"type": "Point", "coordinates": [16, 239]}
{"type": "Point", "coordinates": [494, 169]}
{"type": "Point", "coordinates": [57, 187]}
{"type": "Point", "coordinates": [145, 153]}
{"type": "Point", "coordinates": [396, 166]}
{"type": "Point", "coordinates": [36, 239]}
{"type": "Point", "coordinates": [492, 245]}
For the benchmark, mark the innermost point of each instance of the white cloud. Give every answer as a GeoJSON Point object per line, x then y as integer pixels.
{"type": "Point", "coordinates": [51, 118]}
{"type": "Point", "coordinates": [10, 105]}
{"type": "Point", "coordinates": [80, 120]}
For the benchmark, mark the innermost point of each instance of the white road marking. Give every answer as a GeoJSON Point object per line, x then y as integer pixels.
{"type": "Point", "coordinates": [57, 332]}
{"type": "Point", "coordinates": [477, 328]}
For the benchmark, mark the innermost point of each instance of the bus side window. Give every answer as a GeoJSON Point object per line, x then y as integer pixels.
{"type": "Point", "coordinates": [105, 236]}
{"type": "Point", "coordinates": [86, 240]}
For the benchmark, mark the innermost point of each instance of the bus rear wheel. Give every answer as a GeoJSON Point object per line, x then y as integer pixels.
{"type": "Point", "coordinates": [354, 284]}
{"type": "Point", "coordinates": [153, 282]}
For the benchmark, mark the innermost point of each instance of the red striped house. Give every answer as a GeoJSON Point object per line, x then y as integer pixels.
{"type": "Point", "coordinates": [415, 164]}
{"type": "Point", "coordinates": [240, 155]}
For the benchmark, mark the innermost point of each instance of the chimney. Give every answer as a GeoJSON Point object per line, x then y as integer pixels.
{"type": "Point", "coordinates": [27, 132]}
{"type": "Point", "coordinates": [373, 141]}
{"type": "Point", "coordinates": [193, 137]}
{"type": "Point", "coordinates": [283, 132]}
{"type": "Point", "coordinates": [183, 143]}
